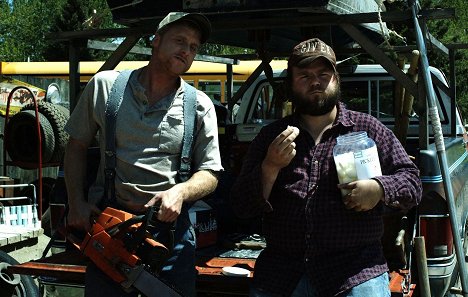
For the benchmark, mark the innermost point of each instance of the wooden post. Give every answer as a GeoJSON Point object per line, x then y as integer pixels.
{"type": "Point", "coordinates": [423, 273]}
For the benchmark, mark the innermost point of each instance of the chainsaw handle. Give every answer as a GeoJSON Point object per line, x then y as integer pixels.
{"type": "Point", "coordinates": [114, 230]}
{"type": "Point", "coordinates": [149, 224]}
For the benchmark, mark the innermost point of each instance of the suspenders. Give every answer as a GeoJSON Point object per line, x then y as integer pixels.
{"type": "Point", "coordinates": [112, 108]}
{"type": "Point", "coordinates": [113, 104]}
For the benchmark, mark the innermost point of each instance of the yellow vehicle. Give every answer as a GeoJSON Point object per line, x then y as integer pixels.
{"type": "Point", "coordinates": [206, 76]}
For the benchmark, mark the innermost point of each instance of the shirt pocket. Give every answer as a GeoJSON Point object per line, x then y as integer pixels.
{"type": "Point", "coordinates": [172, 134]}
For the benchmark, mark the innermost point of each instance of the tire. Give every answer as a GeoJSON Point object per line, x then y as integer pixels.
{"type": "Point", "coordinates": [58, 117]}
{"type": "Point", "coordinates": [63, 109]}
{"type": "Point", "coordinates": [22, 139]}
{"type": "Point", "coordinates": [26, 287]}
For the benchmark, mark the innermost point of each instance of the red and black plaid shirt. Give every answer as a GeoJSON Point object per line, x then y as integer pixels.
{"type": "Point", "coordinates": [305, 223]}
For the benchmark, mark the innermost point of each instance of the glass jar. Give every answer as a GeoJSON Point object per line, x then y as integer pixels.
{"type": "Point", "coordinates": [356, 158]}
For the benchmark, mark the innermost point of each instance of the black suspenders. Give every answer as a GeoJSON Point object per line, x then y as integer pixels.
{"type": "Point", "coordinates": [112, 108]}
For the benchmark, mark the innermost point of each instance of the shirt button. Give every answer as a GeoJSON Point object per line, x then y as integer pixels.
{"type": "Point", "coordinates": [307, 260]}
{"type": "Point", "coordinates": [308, 236]}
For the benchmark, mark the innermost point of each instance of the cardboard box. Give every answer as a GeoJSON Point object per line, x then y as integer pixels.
{"type": "Point", "coordinates": [203, 218]}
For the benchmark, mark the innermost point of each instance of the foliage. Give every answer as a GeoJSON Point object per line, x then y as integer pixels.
{"type": "Point", "coordinates": [77, 15]}
{"type": "Point", "coordinates": [448, 31]}
{"type": "Point", "coordinates": [22, 29]}
{"type": "Point", "coordinates": [223, 50]}
{"type": "Point", "coordinates": [27, 27]}
{"type": "Point", "coordinates": [453, 31]}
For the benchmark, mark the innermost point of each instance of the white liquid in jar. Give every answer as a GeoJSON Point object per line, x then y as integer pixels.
{"type": "Point", "coordinates": [346, 169]}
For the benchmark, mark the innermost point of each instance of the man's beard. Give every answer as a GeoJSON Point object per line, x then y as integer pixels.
{"type": "Point", "coordinates": [317, 106]}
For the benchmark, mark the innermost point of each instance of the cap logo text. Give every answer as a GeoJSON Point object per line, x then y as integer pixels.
{"type": "Point", "coordinates": [313, 46]}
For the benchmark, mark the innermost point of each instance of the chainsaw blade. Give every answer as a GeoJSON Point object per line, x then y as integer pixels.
{"type": "Point", "coordinates": [147, 283]}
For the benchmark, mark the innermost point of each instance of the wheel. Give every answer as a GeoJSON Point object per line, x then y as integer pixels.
{"type": "Point", "coordinates": [58, 117]}
{"type": "Point", "coordinates": [22, 139]}
{"type": "Point", "coordinates": [24, 284]}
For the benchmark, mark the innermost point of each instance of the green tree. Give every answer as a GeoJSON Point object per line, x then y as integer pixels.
{"type": "Point", "coordinates": [452, 31]}
{"type": "Point", "coordinates": [77, 15]}
{"type": "Point", "coordinates": [27, 27]}
{"type": "Point", "coordinates": [21, 30]}
{"type": "Point", "coordinates": [448, 31]}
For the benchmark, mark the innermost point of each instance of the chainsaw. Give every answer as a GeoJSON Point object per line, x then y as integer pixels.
{"type": "Point", "coordinates": [120, 244]}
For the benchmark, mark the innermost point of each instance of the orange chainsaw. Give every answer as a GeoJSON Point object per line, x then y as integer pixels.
{"type": "Point", "coordinates": [120, 244]}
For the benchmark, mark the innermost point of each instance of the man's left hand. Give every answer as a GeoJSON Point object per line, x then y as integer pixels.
{"type": "Point", "coordinates": [363, 194]}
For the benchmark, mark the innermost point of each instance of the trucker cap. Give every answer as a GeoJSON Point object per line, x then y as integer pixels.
{"type": "Point", "coordinates": [309, 50]}
{"type": "Point", "coordinates": [198, 19]}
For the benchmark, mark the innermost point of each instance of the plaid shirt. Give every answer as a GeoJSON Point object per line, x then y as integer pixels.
{"type": "Point", "coordinates": [305, 223]}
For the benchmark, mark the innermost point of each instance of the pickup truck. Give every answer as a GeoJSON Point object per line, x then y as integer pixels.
{"type": "Point", "coordinates": [370, 89]}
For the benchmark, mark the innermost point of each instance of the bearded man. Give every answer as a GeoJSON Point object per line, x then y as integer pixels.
{"type": "Point", "coordinates": [320, 243]}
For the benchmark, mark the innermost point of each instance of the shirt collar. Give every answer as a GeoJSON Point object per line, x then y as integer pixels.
{"type": "Point", "coordinates": [139, 92]}
{"type": "Point", "coordinates": [343, 116]}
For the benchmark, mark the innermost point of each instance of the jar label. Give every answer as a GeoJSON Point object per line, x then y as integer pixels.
{"type": "Point", "coordinates": [367, 163]}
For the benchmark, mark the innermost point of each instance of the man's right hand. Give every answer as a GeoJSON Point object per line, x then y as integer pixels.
{"type": "Point", "coordinates": [81, 215]}
{"type": "Point", "coordinates": [282, 150]}
{"type": "Point", "coordinates": [280, 153]}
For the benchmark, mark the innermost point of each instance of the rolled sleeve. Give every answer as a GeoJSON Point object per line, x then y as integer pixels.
{"type": "Point", "coordinates": [400, 181]}
{"type": "Point", "coordinates": [206, 147]}
{"type": "Point", "coordinates": [86, 118]}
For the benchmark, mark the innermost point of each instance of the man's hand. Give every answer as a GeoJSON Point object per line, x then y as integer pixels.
{"type": "Point", "coordinates": [170, 204]}
{"type": "Point", "coordinates": [282, 150]}
{"type": "Point", "coordinates": [364, 194]}
{"type": "Point", "coordinates": [280, 153]}
{"type": "Point", "coordinates": [81, 215]}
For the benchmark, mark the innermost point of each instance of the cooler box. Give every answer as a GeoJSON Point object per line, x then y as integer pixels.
{"type": "Point", "coordinates": [247, 132]}
{"type": "Point", "coordinates": [203, 218]}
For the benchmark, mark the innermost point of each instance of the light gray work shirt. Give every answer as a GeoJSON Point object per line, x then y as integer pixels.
{"type": "Point", "coordinates": [148, 138]}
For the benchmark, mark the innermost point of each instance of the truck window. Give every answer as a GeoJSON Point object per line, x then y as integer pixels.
{"type": "Point", "coordinates": [369, 94]}
{"type": "Point", "coordinates": [374, 97]}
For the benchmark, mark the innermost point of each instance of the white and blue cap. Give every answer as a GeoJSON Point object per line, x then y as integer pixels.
{"type": "Point", "coordinates": [199, 20]}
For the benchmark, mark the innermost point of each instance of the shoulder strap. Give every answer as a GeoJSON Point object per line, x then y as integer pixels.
{"type": "Point", "coordinates": [112, 108]}
{"type": "Point", "coordinates": [190, 121]}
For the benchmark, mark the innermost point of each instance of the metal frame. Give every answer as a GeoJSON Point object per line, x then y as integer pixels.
{"type": "Point", "coordinates": [259, 28]}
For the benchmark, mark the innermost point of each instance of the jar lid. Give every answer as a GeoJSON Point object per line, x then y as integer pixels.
{"type": "Point", "coordinates": [351, 137]}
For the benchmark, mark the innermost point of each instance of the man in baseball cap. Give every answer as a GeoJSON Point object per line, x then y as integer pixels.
{"type": "Point", "coordinates": [151, 127]}
{"type": "Point", "coordinates": [290, 179]}
{"type": "Point", "coordinates": [199, 20]}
